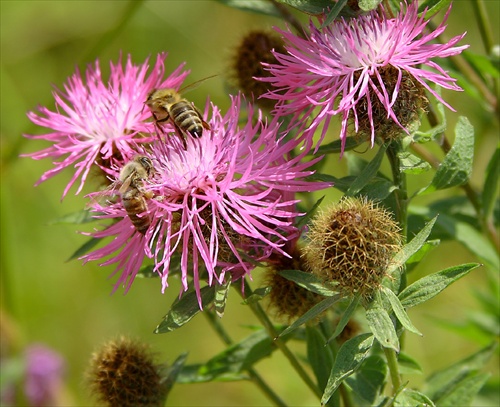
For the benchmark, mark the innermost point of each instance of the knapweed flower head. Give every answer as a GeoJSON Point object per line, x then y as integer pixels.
{"type": "Point", "coordinates": [98, 121]}
{"type": "Point", "coordinates": [359, 68]}
{"type": "Point", "coordinates": [45, 370]}
{"type": "Point", "coordinates": [288, 300]}
{"type": "Point", "coordinates": [351, 244]}
{"type": "Point", "coordinates": [123, 373]}
{"type": "Point", "coordinates": [213, 197]}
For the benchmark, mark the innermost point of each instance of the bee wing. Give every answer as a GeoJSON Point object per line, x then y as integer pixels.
{"type": "Point", "coordinates": [110, 190]}
{"type": "Point", "coordinates": [126, 184]}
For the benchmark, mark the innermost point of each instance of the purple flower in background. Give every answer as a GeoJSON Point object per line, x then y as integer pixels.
{"type": "Point", "coordinates": [222, 194]}
{"type": "Point", "coordinates": [97, 121]}
{"type": "Point", "coordinates": [44, 372]}
{"type": "Point", "coordinates": [345, 65]}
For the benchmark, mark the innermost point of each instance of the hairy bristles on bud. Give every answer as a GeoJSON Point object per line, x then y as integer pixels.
{"type": "Point", "coordinates": [123, 374]}
{"type": "Point", "coordinates": [288, 300]}
{"type": "Point", "coordinates": [352, 244]}
{"type": "Point", "coordinates": [409, 105]}
{"type": "Point", "coordinates": [254, 49]}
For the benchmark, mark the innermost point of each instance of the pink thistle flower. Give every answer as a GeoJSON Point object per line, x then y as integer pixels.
{"type": "Point", "coordinates": [224, 192]}
{"type": "Point", "coordinates": [96, 121]}
{"type": "Point", "coordinates": [341, 66]}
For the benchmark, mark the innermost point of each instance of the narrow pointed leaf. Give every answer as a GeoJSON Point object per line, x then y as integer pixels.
{"type": "Point", "coordinates": [369, 380]}
{"type": "Point", "coordinates": [320, 357]}
{"type": "Point", "coordinates": [221, 293]}
{"type": "Point", "coordinates": [411, 164]}
{"type": "Point", "coordinates": [463, 392]}
{"type": "Point", "coordinates": [334, 12]}
{"type": "Point", "coordinates": [429, 286]}
{"type": "Point", "coordinates": [408, 365]}
{"type": "Point", "coordinates": [184, 309]}
{"type": "Point", "coordinates": [313, 313]}
{"type": "Point", "coordinates": [367, 173]}
{"type": "Point", "coordinates": [257, 295]}
{"type": "Point", "coordinates": [443, 382]}
{"type": "Point", "coordinates": [304, 220]}
{"type": "Point", "coordinates": [411, 248]}
{"type": "Point", "coordinates": [412, 398]}
{"type": "Point", "coordinates": [399, 311]}
{"type": "Point", "coordinates": [346, 316]}
{"type": "Point", "coordinates": [308, 281]}
{"type": "Point", "coordinates": [84, 248]}
{"type": "Point", "coordinates": [169, 376]}
{"type": "Point", "coordinates": [314, 7]}
{"type": "Point", "coordinates": [336, 146]}
{"type": "Point", "coordinates": [456, 167]}
{"type": "Point", "coordinates": [367, 5]}
{"type": "Point", "coordinates": [349, 358]}
{"type": "Point", "coordinates": [381, 325]}
{"type": "Point", "coordinates": [76, 218]}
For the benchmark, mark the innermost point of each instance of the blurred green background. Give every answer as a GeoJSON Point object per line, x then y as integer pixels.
{"type": "Point", "coordinates": [69, 306]}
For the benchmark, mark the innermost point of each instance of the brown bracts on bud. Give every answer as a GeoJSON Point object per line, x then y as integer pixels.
{"type": "Point", "coordinates": [352, 244]}
{"type": "Point", "coordinates": [123, 374]}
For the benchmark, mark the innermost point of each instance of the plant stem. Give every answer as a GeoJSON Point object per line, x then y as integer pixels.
{"type": "Point", "coordinates": [255, 377]}
{"type": "Point", "coordinates": [399, 179]}
{"type": "Point", "coordinates": [266, 322]}
{"type": "Point", "coordinates": [392, 362]}
{"type": "Point", "coordinates": [483, 24]}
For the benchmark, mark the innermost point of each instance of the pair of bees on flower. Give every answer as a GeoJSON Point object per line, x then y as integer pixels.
{"type": "Point", "coordinates": [166, 105]}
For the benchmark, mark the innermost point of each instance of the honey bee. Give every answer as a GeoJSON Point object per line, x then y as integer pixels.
{"type": "Point", "coordinates": [133, 194]}
{"type": "Point", "coordinates": [167, 104]}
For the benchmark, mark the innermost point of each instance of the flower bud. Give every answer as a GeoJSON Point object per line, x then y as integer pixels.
{"type": "Point", "coordinates": [352, 244]}
{"type": "Point", "coordinates": [408, 106]}
{"type": "Point", "coordinates": [288, 300]}
{"type": "Point", "coordinates": [123, 374]}
{"type": "Point", "coordinates": [254, 49]}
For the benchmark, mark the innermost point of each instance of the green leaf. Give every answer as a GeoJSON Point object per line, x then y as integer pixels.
{"type": "Point", "coordinates": [408, 365]}
{"type": "Point", "coordinates": [221, 293]}
{"type": "Point", "coordinates": [76, 218]}
{"type": "Point", "coordinates": [381, 325]}
{"type": "Point", "coordinates": [257, 295]}
{"type": "Point", "coordinates": [255, 6]}
{"type": "Point", "coordinates": [334, 12]}
{"type": "Point", "coordinates": [147, 272]}
{"type": "Point", "coordinates": [444, 382]}
{"type": "Point", "coordinates": [399, 311]}
{"type": "Point", "coordinates": [235, 359]}
{"type": "Point", "coordinates": [335, 147]}
{"type": "Point", "coordinates": [314, 7]}
{"type": "Point", "coordinates": [417, 257]}
{"type": "Point", "coordinates": [313, 313]}
{"type": "Point", "coordinates": [169, 375]}
{"type": "Point", "coordinates": [308, 281]}
{"type": "Point", "coordinates": [346, 316]}
{"type": "Point", "coordinates": [411, 248]}
{"type": "Point", "coordinates": [184, 309]}
{"type": "Point", "coordinates": [378, 189]}
{"type": "Point", "coordinates": [367, 173]}
{"type": "Point", "coordinates": [368, 5]}
{"type": "Point", "coordinates": [320, 356]}
{"type": "Point", "coordinates": [411, 164]}
{"type": "Point", "coordinates": [84, 248]}
{"type": "Point", "coordinates": [433, 7]}
{"type": "Point", "coordinates": [368, 382]}
{"type": "Point", "coordinates": [456, 167]}
{"type": "Point", "coordinates": [412, 398]}
{"type": "Point", "coordinates": [304, 220]}
{"type": "Point", "coordinates": [349, 358]}
{"type": "Point", "coordinates": [491, 185]}
{"type": "Point", "coordinates": [463, 392]}
{"type": "Point", "coordinates": [454, 227]}
{"type": "Point", "coordinates": [483, 64]}
{"type": "Point", "coordinates": [429, 286]}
